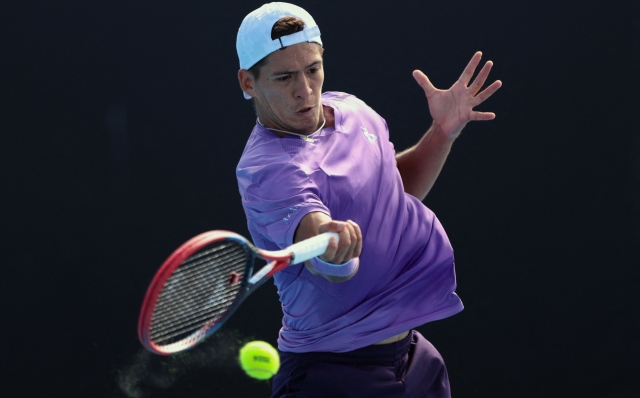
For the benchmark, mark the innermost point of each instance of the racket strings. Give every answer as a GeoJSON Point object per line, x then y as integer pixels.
{"type": "Point", "coordinates": [199, 291]}
{"type": "Point", "coordinates": [172, 298]}
{"type": "Point", "coordinates": [190, 310]}
{"type": "Point", "coordinates": [195, 297]}
{"type": "Point", "coordinates": [187, 308]}
{"type": "Point", "coordinates": [190, 291]}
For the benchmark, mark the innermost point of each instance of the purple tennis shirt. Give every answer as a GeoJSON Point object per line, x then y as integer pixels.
{"type": "Point", "coordinates": [406, 276]}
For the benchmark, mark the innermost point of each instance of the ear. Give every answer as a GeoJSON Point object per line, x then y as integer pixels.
{"type": "Point", "coordinates": [247, 82]}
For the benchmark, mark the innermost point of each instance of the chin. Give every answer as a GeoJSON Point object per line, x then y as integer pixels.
{"type": "Point", "coordinates": [307, 125]}
{"type": "Point", "coordinates": [308, 128]}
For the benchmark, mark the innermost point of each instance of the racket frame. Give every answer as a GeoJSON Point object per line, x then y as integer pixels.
{"type": "Point", "coordinates": [276, 261]}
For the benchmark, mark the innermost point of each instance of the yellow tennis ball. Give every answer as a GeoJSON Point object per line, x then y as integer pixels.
{"type": "Point", "coordinates": [259, 360]}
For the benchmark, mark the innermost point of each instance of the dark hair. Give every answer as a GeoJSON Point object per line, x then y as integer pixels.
{"type": "Point", "coordinates": [283, 27]}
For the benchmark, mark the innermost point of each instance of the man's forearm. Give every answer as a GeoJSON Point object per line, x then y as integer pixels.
{"type": "Point", "coordinates": [421, 164]}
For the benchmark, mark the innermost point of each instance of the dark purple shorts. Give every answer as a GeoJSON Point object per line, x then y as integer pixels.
{"type": "Point", "coordinates": [410, 368]}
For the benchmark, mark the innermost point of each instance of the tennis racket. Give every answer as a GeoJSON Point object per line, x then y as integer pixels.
{"type": "Point", "coordinates": [204, 281]}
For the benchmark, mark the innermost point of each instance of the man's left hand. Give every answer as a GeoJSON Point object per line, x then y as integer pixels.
{"type": "Point", "coordinates": [452, 109]}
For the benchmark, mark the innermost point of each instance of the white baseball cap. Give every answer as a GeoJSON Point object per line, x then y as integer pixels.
{"type": "Point", "coordinates": [254, 36]}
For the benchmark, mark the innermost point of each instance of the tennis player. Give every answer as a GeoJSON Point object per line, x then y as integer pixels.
{"type": "Point", "coordinates": [318, 162]}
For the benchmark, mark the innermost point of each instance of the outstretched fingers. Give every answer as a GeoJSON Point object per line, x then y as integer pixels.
{"type": "Point", "coordinates": [486, 93]}
{"type": "Point", "coordinates": [480, 98]}
{"type": "Point", "coordinates": [424, 82]}
{"type": "Point", "coordinates": [466, 75]}
{"type": "Point", "coordinates": [478, 82]}
{"type": "Point", "coordinates": [453, 108]}
{"type": "Point", "coordinates": [480, 116]}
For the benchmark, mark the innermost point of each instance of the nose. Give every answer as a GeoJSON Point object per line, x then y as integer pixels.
{"type": "Point", "coordinates": [303, 87]}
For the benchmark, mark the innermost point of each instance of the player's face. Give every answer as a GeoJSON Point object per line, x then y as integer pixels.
{"type": "Point", "coordinates": [287, 92]}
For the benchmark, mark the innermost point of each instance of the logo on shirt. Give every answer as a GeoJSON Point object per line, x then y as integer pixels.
{"type": "Point", "coordinates": [291, 211]}
{"type": "Point", "coordinates": [372, 138]}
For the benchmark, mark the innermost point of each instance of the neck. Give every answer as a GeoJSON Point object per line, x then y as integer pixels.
{"type": "Point", "coordinates": [274, 125]}
{"type": "Point", "coordinates": [306, 137]}
{"type": "Point", "coordinates": [327, 117]}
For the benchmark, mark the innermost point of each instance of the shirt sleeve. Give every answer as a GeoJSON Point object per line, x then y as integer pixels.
{"type": "Point", "coordinates": [275, 198]}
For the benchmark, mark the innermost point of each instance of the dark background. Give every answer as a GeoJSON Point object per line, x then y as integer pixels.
{"type": "Point", "coordinates": [121, 124]}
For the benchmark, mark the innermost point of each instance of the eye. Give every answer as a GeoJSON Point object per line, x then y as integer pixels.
{"type": "Point", "coordinates": [283, 78]}
{"type": "Point", "coordinates": [313, 70]}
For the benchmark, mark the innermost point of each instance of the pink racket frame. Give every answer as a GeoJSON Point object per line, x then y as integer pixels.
{"type": "Point", "coordinates": [279, 260]}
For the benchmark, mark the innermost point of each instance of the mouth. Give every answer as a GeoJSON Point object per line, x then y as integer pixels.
{"type": "Point", "coordinates": [304, 111]}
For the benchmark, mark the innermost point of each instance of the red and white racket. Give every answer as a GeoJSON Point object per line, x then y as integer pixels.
{"type": "Point", "coordinates": [204, 281]}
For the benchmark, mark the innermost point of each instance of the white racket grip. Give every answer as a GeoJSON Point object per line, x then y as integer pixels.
{"type": "Point", "coordinates": [312, 247]}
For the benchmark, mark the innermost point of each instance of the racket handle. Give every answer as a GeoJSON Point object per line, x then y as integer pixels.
{"type": "Point", "coordinates": [312, 247]}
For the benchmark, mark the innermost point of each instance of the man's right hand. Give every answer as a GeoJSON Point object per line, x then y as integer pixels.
{"type": "Point", "coordinates": [349, 246]}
